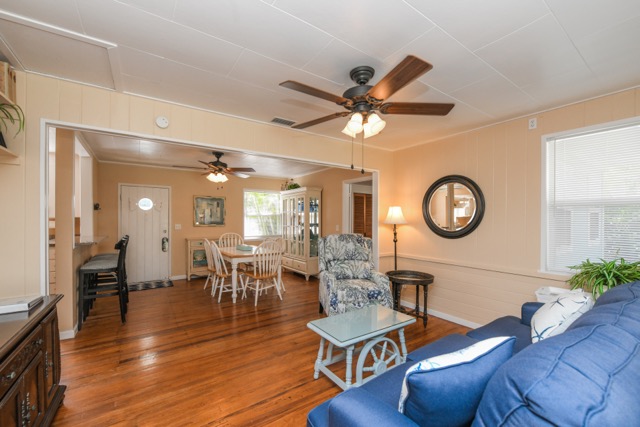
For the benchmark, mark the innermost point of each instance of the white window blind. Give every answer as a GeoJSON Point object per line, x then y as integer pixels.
{"type": "Point", "coordinates": [593, 197]}
{"type": "Point", "coordinates": [262, 214]}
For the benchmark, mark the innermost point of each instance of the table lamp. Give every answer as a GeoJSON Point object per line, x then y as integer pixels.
{"type": "Point", "coordinates": [395, 217]}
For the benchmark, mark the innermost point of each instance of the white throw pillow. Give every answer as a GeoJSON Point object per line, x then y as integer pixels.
{"type": "Point", "coordinates": [554, 317]}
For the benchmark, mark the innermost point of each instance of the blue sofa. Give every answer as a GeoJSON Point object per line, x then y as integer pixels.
{"type": "Point", "coordinates": [588, 375]}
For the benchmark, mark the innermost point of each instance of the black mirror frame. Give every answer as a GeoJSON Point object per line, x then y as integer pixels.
{"type": "Point", "coordinates": [477, 194]}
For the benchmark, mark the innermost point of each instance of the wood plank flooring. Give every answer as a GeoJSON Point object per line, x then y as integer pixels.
{"type": "Point", "coordinates": [182, 359]}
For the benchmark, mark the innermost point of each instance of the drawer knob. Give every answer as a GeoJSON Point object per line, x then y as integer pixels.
{"type": "Point", "coordinates": [11, 376]}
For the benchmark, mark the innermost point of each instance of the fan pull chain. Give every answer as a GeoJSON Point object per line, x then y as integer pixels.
{"type": "Point", "coordinates": [352, 153]}
{"type": "Point", "coordinates": [362, 170]}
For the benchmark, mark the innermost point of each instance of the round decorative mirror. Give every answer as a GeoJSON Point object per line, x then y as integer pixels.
{"type": "Point", "coordinates": [453, 206]}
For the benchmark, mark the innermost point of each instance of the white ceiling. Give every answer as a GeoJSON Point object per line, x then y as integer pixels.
{"type": "Point", "coordinates": [120, 149]}
{"type": "Point", "coordinates": [494, 59]}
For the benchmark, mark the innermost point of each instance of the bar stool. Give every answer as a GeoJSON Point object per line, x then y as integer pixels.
{"type": "Point", "coordinates": [103, 276]}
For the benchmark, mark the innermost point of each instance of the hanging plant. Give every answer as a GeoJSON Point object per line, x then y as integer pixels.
{"type": "Point", "coordinates": [11, 114]}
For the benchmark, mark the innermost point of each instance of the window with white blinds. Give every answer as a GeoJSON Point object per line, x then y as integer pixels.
{"type": "Point", "coordinates": [592, 197]}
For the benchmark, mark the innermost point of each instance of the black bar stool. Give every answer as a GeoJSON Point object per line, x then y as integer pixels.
{"type": "Point", "coordinates": [103, 275]}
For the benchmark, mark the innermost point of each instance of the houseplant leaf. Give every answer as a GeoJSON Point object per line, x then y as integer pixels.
{"type": "Point", "coordinates": [597, 277]}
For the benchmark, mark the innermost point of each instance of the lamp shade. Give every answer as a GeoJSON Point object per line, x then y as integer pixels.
{"type": "Point", "coordinates": [395, 216]}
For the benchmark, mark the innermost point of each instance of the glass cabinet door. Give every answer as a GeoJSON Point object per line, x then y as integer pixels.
{"type": "Point", "coordinates": [299, 226]}
{"type": "Point", "coordinates": [287, 223]}
{"type": "Point", "coordinates": [314, 225]}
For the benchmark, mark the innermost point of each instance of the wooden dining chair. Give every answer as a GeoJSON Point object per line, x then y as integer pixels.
{"type": "Point", "coordinates": [230, 240]}
{"type": "Point", "coordinates": [280, 242]}
{"type": "Point", "coordinates": [221, 273]}
{"type": "Point", "coordinates": [211, 266]}
{"type": "Point", "coordinates": [266, 263]}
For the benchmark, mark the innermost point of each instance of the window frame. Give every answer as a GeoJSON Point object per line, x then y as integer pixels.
{"type": "Point", "coordinates": [244, 213]}
{"type": "Point", "coordinates": [544, 207]}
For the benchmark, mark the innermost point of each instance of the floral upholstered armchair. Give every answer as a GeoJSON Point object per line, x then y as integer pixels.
{"type": "Point", "coordinates": [347, 279]}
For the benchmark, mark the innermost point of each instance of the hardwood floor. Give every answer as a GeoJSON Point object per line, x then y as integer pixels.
{"type": "Point", "coordinates": [183, 359]}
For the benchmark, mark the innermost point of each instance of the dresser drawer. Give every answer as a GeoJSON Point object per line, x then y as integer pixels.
{"type": "Point", "coordinates": [18, 361]}
{"type": "Point", "coordinates": [299, 265]}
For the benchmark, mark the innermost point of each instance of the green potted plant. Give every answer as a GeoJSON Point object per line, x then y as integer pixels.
{"type": "Point", "coordinates": [10, 114]}
{"type": "Point", "coordinates": [597, 277]}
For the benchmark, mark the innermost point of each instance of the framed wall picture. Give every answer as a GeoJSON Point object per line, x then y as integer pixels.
{"type": "Point", "coordinates": [208, 211]}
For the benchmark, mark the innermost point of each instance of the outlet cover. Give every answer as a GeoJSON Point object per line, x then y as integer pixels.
{"type": "Point", "coordinates": [533, 123]}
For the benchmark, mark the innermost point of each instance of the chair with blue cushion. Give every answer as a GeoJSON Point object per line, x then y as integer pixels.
{"type": "Point", "coordinates": [348, 280]}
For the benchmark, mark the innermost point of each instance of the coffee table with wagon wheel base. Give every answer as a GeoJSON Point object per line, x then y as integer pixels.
{"type": "Point", "coordinates": [368, 326]}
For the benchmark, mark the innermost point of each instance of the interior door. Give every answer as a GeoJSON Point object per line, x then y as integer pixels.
{"type": "Point", "coordinates": [144, 216]}
{"type": "Point", "coordinates": [362, 219]}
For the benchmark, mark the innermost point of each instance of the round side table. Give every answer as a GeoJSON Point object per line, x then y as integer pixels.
{"type": "Point", "coordinates": [399, 278]}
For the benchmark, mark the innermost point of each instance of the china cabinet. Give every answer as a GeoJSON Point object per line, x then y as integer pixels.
{"type": "Point", "coordinates": [301, 218]}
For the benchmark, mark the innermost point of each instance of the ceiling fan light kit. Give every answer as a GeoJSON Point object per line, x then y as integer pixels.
{"type": "Point", "coordinates": [217, 177]}
{"type": "Point", "coordinates": [218, 170]}
{"type": "Point", "coordinates": [362, 101]}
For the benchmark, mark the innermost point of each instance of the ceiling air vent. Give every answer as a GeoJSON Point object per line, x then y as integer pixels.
{"type": "Point", "coordinates": [280, 121]}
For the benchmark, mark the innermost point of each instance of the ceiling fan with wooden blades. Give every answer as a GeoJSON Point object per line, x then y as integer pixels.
{"type": "Point", "coordinates": [218, 166]}
{"type": "Point", "coordinates": [366, 99]}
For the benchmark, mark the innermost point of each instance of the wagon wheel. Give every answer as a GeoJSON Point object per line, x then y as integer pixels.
{"type": "Point", "coordinates": [383, 351]}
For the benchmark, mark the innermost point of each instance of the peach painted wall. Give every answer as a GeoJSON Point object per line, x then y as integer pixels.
{"type": "Point", "coordinates": [490, 272]}
{"type": "Point", "coordinates": [23, 203]}
{"type": "Point", "coordinates": [184, 185]}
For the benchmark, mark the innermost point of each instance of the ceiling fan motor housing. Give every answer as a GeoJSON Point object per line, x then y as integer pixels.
{"type": "Point", "coordinates": [362, 74]}
{"type": "Point", "coordinates": [217, 162]}
{"type": "Point", "coordinates": [360, 101]}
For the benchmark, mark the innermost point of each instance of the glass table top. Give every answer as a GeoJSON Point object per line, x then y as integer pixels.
{"type": "Point", "coordinates": [357, 325]}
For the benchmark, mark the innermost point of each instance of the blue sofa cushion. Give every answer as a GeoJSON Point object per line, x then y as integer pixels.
{"type": "Point", "coordinates": [504, 326]}
{"type": "Point", "coordinates": [319, 416]}
{"type": "Point", "coordinates": [528, 310]}
{"type": "Point", "coordinates": [445, 390]}
{"type": "Point", "coordinates": [360, 407]}
{"type": "Point", "coordinates": [623, 314]}
{"type": "Point", "coordinates": [624, 292]}
{"type": "Point", "coordinates": [585, 376]}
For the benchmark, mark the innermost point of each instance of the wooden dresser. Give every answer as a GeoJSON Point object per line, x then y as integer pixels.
{"type": "Point", "coordinates": [30, 390]}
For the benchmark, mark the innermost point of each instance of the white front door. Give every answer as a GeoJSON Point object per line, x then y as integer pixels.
{"type": "Point", "coordinates": [144, 216]}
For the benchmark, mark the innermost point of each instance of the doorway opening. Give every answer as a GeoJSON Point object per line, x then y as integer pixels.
{"type": "Point", "coordinates": [360, 208]}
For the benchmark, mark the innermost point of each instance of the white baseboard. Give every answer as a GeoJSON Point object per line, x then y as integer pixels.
{"type": "Point", "coordinates": [444, 316]}
{"type": "Point", "coordinates": [180, 277]}
{"type": "Point", "coordinates": [69, 334]}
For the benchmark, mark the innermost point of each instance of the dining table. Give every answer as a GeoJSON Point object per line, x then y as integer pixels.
{"type": "Point", "coordinates": [236, 256]}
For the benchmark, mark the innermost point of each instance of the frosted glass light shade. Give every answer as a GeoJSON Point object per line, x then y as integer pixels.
{"type": "Point", "coordinates": [346, 131]}
{"type": "Point", "coordinates": [376, 123]}
{"type": "Point", "coordinates": [355, 123]}
{"type": "Point", "coordinates": [217, 177]}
